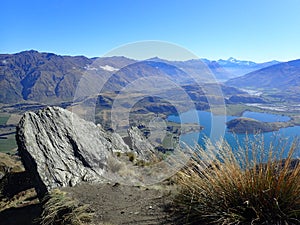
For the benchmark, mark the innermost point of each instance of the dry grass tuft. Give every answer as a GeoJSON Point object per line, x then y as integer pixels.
{"type": "Point", "coordinates": [10, 164]}
{"type": "Point", "coordinates": [24, 198]}
{"type": "Point", "coordinates": [59, 209]}
{"type": "Point", "coordinates": [253, 186]}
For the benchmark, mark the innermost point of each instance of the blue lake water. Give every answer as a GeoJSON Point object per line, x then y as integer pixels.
{"type": "Point", "coordinates": [215, 128]}
{"type": "Point", "coordinates": [266, 117]}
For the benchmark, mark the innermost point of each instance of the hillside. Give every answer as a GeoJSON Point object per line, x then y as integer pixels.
{"type": "Point", "coordinates": [31, 75]}
{"type": "Point", "coordinates": [283, 76]}
{"type": "Point", "coordinates": [46, 77]}
{"type": "Point", "coordinates": [247, 125]}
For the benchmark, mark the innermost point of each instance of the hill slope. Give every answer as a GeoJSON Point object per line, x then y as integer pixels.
{"type": "Point", "coordinates": [46, 77]}
{"type": "Point", "coordinates": [283, 76]}
{"type": "Point", "coordinates": [31, 75]}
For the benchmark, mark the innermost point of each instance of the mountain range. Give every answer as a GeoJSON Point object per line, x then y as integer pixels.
{"type": "Point", "coordinates": [241, 67]}
{"type": "Point", "coordinates": [280, 81]}
{"type": "Point", "coordinates": [47, 77]}
{"type": "Point", "coordinates": [283, 76]}
{"type": "Point", "coordinates": [221, 69]}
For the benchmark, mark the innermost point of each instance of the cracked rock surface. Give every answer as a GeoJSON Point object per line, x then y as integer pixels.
{"type": "Point", "coordinates": [60, 149]}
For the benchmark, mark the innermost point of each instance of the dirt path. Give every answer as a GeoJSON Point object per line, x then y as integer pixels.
{"type": "Point", "coordinates": [120, 204]}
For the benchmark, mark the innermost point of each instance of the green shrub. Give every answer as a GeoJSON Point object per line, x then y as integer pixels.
{"type": "Point", "coordinates": [254, 186]}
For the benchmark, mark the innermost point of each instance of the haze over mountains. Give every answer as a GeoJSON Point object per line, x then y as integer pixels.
{"type": "Point", "coordinates": [222, 69]}
{"type": "Point", "coordinates": [242, 67]}
{"type": "Point", "coordinates": [280, 76]}
{"type": "Point", "coordinates": [47, 77]}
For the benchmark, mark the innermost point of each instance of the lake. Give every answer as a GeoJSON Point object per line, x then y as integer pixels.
{"type": "Point", "coordinates": [215, 128]}
{"type": "Point", "coordinates": [266, 117]}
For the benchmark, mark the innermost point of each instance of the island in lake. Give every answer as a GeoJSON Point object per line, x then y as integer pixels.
{"type": "Point", "coordinates": [248, 125]}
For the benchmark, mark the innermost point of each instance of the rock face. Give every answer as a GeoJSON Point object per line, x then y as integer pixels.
{"type": "Point", "coordinates": [139, 144]}
{"type": "Point", "coordinates": [60, 149]}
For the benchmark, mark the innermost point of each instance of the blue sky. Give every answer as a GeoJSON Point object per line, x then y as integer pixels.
{"type": "Point", "coordinates": [258, 30]}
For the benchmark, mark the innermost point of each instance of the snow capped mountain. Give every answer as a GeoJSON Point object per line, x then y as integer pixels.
{"type": "Point", "coordinates": [282, 76]}
{"type": "Point", "coordinates": [233, 62]}
{"type": "Point", "coordinates": [222, 69]}
{"type": "Point", "coordinates": [240, 67]}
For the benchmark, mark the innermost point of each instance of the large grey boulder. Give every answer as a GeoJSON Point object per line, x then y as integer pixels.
{"type": "Point", "coordinates": [60, 149]}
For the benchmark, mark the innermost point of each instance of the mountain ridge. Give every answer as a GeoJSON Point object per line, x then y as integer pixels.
{"type": "Point", "coordinates": [242, 67]}
{"type": "Point", "coordinates": [281, 76]}
{"type": "Point", "coordinates": [50, 78]}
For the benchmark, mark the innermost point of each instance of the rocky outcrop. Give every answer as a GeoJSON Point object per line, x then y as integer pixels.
{"type": "Point", "coordinates": [60, 149]}
{"type": "Point", "coordinates": [143, 148]}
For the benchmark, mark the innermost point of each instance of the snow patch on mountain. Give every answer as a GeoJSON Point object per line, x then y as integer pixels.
{"type": "Point", "coordinates": [109, 68]}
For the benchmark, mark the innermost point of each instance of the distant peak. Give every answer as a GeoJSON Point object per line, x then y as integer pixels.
{"type": "Point", "coordinates": [154, 59]}
{"type": "Point", "coordinates": [28, 51]}
{"type": "Point", "coordinates": [231, 59]}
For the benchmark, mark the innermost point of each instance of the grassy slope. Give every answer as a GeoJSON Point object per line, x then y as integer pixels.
{"type": "Point", "coordinates": [7, 145]}
{"type": "Point", "coordinates": [4, 118]}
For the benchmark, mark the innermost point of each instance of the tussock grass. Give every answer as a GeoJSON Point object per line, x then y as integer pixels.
{"type": "Point", "coordinates": [59, 209]}
{"type": "Point", "coordinates": [253, 186]}
{"type": "Point", "coordinates": [21, 199]}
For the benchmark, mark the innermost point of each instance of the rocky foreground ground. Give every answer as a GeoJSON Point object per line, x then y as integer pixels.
{"type": "Point", "coordinates": [57, 149]}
